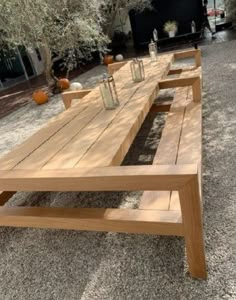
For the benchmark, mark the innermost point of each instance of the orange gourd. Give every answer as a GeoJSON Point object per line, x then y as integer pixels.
{"type": "Point", "coordinates": [40, 97]}
{"type": "Point", "coordinates": [64, 83]}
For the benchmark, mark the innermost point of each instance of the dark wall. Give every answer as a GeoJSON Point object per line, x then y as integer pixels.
{"type": "Point", "coordinates": [182, 11]}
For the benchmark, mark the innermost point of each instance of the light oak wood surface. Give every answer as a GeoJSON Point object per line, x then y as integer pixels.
{"type": "Point", "coordinates": [82, 149]}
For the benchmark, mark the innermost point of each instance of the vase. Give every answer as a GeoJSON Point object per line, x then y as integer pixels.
{"type": "Point", "coordinates": [171, 34]}
{"type": "Point", "coordinates": [108, 59]}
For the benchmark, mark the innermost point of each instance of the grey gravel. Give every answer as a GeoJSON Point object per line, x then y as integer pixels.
{"type": "Point", "coordinates": [55, 264]}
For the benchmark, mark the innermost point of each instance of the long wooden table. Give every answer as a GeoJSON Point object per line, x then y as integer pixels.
{"type": "Point", "coordinates": [82, 150]}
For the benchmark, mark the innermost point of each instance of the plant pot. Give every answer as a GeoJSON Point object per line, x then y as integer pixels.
{"type": "Point", "coordinates": [171, 34]}
{"type": "Point", "coordinates": [108, 59]}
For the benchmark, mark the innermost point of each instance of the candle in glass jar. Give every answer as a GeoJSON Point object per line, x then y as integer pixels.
{"type": "Point", "coordinates": [153, 56]}
{"type": "Point", "coordinates": [107, 96]}
{"type": "Point", "coordinates": [138, 75]}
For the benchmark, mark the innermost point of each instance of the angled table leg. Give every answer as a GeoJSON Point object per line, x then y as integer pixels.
{"type": "Point", "coordinates": [193, 229]}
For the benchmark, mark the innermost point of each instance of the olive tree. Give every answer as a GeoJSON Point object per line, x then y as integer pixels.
{"type": "Point", "coordinates": [111, 9]}
{"type": "Point", "coordinates": [65, 28]}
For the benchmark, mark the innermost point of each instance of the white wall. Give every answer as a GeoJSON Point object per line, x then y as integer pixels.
{"type": "Point", "coordinates": [37, 64]}
{"type": "Point", "coordinates": [122, 18]}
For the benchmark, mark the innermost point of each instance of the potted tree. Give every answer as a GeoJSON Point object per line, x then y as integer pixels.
{"type": "Point", "coordinates": [171, 28]}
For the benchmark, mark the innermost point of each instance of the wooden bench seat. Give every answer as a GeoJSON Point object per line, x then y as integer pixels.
{"type": "Point", "coordinates": [180, 144]}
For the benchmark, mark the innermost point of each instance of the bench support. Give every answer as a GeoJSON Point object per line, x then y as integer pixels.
{"type": "Point", "coordinates": [194, 81]}
{"type": "Point", "coordinates": [190, 53]}
{"type": "Point", "coordinates": [193, 230]}
{"type": "Point", "coordinates": [183, 178]}
{"type": "Point", "coordinates": [67, 97]}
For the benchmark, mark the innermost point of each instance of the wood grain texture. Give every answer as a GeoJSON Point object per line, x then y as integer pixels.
{"type": "Point", "coordinates": [22, 151]}
{"type": "Point", "coordinates": [52, 146]}
{"type": "Point", "coordinates": [105, 151]}
{"type": "Point", "coordinates": [190, 148]}
{"type": "Point", "coordinates": [112, 68]}
{"type": "Point", "coordinates": [196, 54]}
{"type": "Point", "coordinates": [122, 178]}
{"type": "Point", "coordinates": [116, 220]}
{"type": "Point", "coordinates": [68, 97]}
{"type": "Point", "coordinates": [193, 81]}
{"type": "Point", "coordinates": [167, 150]}
{"type": "Point", "coordinates": [193, 229]}
{"type": "Point", "coordinates": [77, 147]}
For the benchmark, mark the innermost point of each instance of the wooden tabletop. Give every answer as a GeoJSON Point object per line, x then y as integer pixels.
{"type": "Point", "coordinates": [87, 135]}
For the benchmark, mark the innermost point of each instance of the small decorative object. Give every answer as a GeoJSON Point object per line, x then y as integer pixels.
{"type": "Point", "coordinates": [171, 28]}
{"type": "Point", "coordinates": [193, 27]}
{"type": "Point", "coordinates": [40, 97]}
{"type": "Point", "coordinates": [155, 35]}
{"type": "Point", "coordinates": [119, 57]}
{"type": "Point", "coordinates": [108, 92]}
{"type": "Point", "coordinates": [64, 83]}
{"type": "Point", "coordinates": [108, 59]}
{"type": "Point", "coordinates": [153, 51]}
{"type": "Point", "coordinates": [137, 70]}
{"type": "Point", "coordinates": [76, 86]}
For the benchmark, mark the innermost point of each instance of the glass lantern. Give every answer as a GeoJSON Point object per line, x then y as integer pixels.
{"type": "Point", "coordinates": [109, 92]}
{"type": "Point", "coordinates": [153, 51]}
{"type": "Point", "coordinates": [137, 70]}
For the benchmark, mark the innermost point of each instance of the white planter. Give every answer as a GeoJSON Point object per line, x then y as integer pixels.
{"type": "Point", "coordinates": [171, 34]}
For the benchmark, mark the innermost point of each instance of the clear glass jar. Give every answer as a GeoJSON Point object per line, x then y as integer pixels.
{"type": "Point", "coordinates": [153, 51]}
{"type": "Point", "coordinates": [109, 92]}
{"type": "Point", "coordinates": [137, 70]}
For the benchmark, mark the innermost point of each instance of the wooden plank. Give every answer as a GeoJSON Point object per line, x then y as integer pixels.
{"type": "Point", "coordinates": [193, 81]}
{"type": "Point", "coordinates": [190, 148]}
{"type": "Point", "coordinates": [177, 82]}
{"type": "Point", "coordinates": [193, 228]}
{"type": "Point", "coordinates": [48, 150]}
{"type": "Point", "coordinates": [191, 139]}
{"type": "Point", "coordinates": [75, 149]}
{"type": "Point", "coordinates": [195, 72]}
{"type": "Point", "coordinates": [124, 178]}
{"type": "Point", "coordinates": [124, 128]}
{"type": "Point", "coordinates": [5, 196]}
{"type": "Point", "coordinates": [68, 97]}
{"type": "Point", "coordinates": [197, 90]}
{"type": "Point", "coordinates": [11, 159]}
{"type": "Point", "coordinates": [167, 150]}
{"type": "Point", "coordinates": [196, 53]}
{"type": "Point", "coordinates": [112, 220]}
{"type": "Point", "coordinates": [112, 68]}
{"type": "Point", "coordinates": [45, 152]}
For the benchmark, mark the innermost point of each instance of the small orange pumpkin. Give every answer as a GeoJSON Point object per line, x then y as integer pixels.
{"type": "Point", "coordinates": [108, 59]}
{"type": "Point", "coordinates": [64, 83]}
{"type": "Point", "coordinates": [40, 97]}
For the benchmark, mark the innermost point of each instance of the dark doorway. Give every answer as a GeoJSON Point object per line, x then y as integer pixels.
{"type": "Point", "coordinates": [182, 11]}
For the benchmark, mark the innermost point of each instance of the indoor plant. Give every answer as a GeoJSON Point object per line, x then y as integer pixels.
{"type": "Point", "coordinates": [171, 28]}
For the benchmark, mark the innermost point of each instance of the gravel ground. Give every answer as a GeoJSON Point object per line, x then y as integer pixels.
{"type": "Point", "coordinates": [55, 264]}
